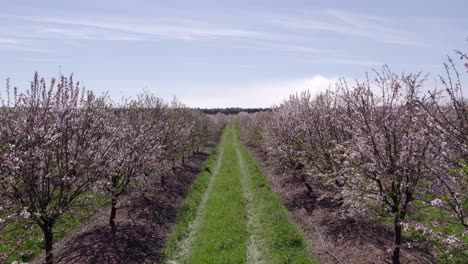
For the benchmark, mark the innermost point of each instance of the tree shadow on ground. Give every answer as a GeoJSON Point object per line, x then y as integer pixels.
{"type": "Point", "coordinates": [144, 222]}
{"type": "Point", "coordinates": [333, 236]}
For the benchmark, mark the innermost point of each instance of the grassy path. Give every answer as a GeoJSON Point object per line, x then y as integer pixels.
{"type": "Point", "coordinates": [231, 215]}
{"type": "Point", "coordinates": [193, 226]}
{"type": "Point", "coordinates": [254, 255]}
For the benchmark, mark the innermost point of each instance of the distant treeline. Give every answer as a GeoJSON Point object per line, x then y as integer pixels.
{"type": "Point", "coordinates": [232, 110]}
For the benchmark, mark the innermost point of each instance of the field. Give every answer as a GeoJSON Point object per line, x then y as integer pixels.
{"type": "Point", "coordinates": [345, 175]}
{"type": "Point", "coordinates": [231, 132]}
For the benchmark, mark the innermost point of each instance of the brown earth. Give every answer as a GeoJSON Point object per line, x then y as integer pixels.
{"type": "Point", "coordinates": [333, 239]}
{"type": "Point", "coordinates": [144, 222]}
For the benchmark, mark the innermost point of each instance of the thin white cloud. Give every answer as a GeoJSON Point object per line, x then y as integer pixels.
{"type": "Point", "coordinates": [374, 28]}
{"type": "Point", "coordinates": [8, 41]}
{"type": "Point", "coordinates": [20, 44]}
{"type": "Point", "coordinates": [85, 34]}
{"type": "Point", "coordinates": [303, 49]}
{"type": "Point", "coordinates": [344, 61]}
{"type": "Point", "coordinates": [145, 29]}
{"type": "Point", "coordinates": [289, 34]}
{"type": "Point", "coordinates": [262, 94]}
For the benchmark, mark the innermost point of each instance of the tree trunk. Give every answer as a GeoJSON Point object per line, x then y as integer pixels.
{"type": "Point", "coordinates": [307, 185]}
{"type": "Point", "coordinates": [163, 180]}
{"type": "Point", "coordinates": [49, 240]}
{"type": "Point", "coordinates": [113, 214]}
{"type": "Point", "coordinates": [397, 241]}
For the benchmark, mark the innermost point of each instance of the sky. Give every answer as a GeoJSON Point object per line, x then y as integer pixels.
{"type": "Point", "coordinates": [212, 53]}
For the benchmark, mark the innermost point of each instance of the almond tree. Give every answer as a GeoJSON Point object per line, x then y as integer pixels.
{"type": "Point", "coordinates": [447, 119]}
{"type": "Point", "coordinates": [284, 139]}
{"type": "Point", "coordinates": [219, 121]}
{"type": "Point", "coordinates": [51, 151]}
{"type": "Point", "coordinates": [443, 113]}
{"type": "Point", "coordinates": [385, 157]}
{"type": "Point", "coordinates": [134, 147]}
{"type": "Point", "coordinates": [201, 131]}
{"type": "Point", "coordinates": [304, 132]}
{"type": "Point", "coordinates": [384, 145]}
{"type": "Point", "coordinates": [323, 132]}
{"type": "Point", "coordinates": [177, 136]}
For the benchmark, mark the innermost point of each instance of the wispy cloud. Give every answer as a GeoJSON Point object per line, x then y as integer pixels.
{"type": "Point", "coordinates": [132, 28]}
{"type": "Point", "coordinates": [22, 44]}
{"type": "Point", "coordinates": [303, 49]}
{"type": "Point", "coordinates": [344, 61]}
{"type": "Point", "coordinates": [283, 33]}
{"type": "Point", "coordinates": [8, 41]}
{"type": "Point", "coordinates": [374, 28]}
{"type": "Point", "coordinates": [84, 34]}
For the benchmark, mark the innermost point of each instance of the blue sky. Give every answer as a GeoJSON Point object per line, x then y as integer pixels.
{"type": "Point", "coordinates": [225, 53]}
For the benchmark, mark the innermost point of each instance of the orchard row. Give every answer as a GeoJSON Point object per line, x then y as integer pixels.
{"type": "Point", "coordinates": [386, 148]}
{"type": "Point", "coordinates": [60, 143]}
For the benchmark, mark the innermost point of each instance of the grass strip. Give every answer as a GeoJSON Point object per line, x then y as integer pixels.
{"type": "Point", "coordinates": [281, 240]}
{"type": "Point", "coordinates": [238, 217]}
{"type": "Point", "coordinates": [223, 235]}
{"type": "Point", "coordinates": [191, 215]}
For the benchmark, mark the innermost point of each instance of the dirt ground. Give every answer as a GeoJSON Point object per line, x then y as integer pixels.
{"type": "Point", "coordinates": [332, 238]}
{"type": "Point", "coordinates": [144, 222]}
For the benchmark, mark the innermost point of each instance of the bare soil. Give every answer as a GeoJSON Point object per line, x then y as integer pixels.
{"type": "Point", "coordinates": [144, 222]}
{"type": "Point", "coordinates": [333, 239]}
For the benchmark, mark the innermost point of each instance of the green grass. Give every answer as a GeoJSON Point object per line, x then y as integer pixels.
{"type": "Point", "coordinates": [446, 225]}
{"type": "Point", "coordinates": [224, 228]}
{"type": "Point", "coordinates": [223, 233]}
{"type": "Point", "coordinates": [34, 244]}
{"type": "Point", "coordinates": [437, 220]}
{"type": "Point", "coordinates": [285, 241]}
{"type": "Point", "coordinates": [189, 210]}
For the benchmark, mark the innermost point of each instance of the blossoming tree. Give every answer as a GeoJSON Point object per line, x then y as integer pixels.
{"type": "Point", "coordinates": [51, 151]}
